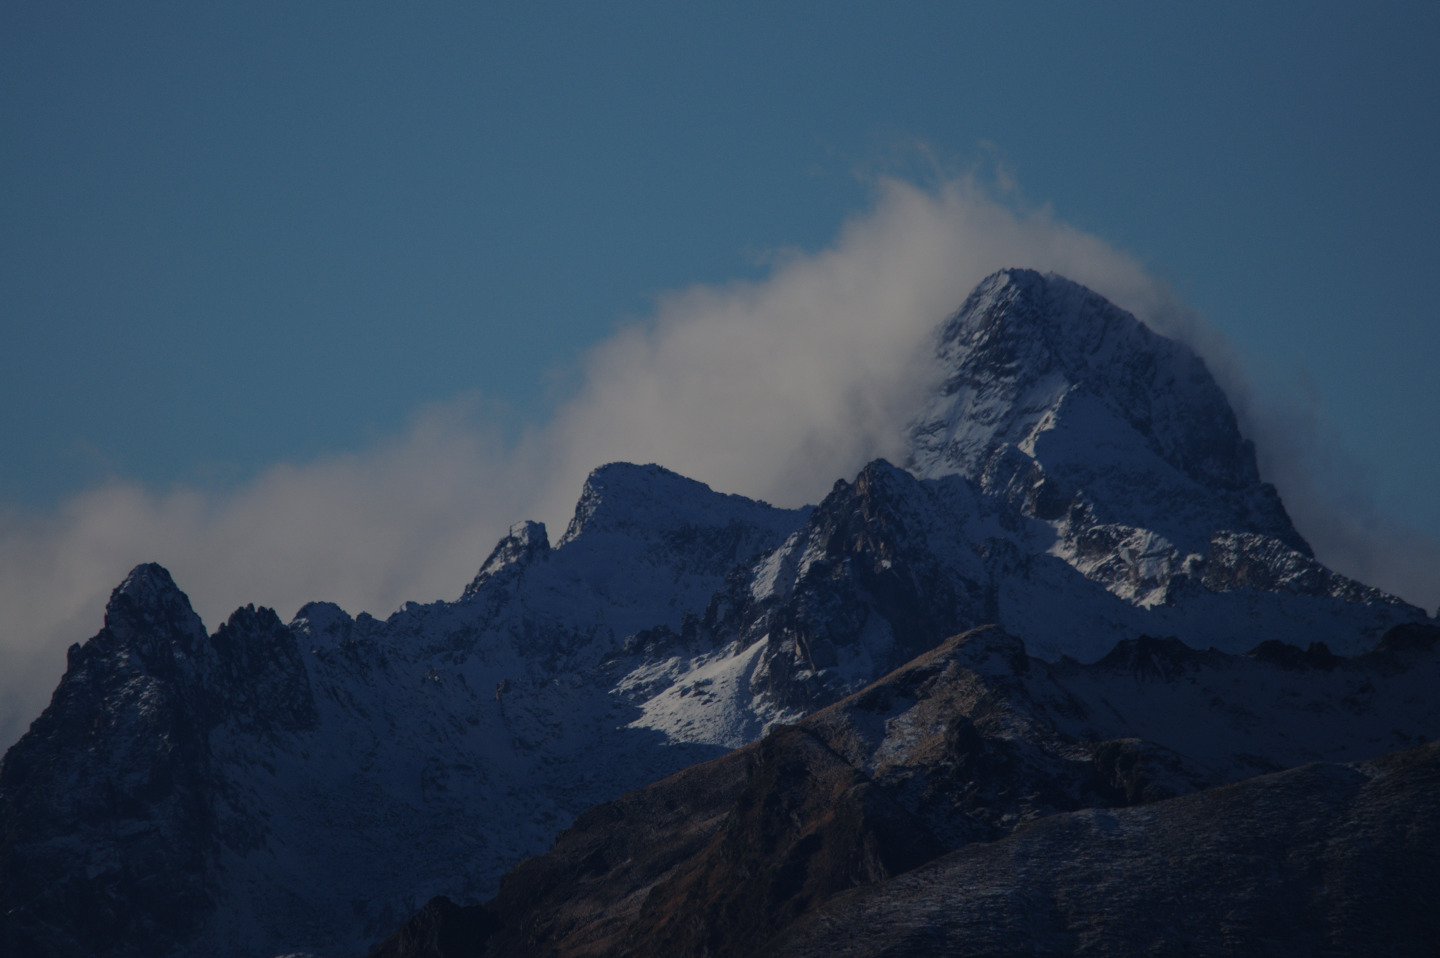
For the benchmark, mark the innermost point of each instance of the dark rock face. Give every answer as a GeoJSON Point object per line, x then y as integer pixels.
{"type": "Point", "coordinates": [442, 929]}
{"type": "Point", "coordinates": [105, 808]}
{"type": "Point", "coordinates": [527, 543]}
{"type": "Point", "coordinates": [874, 594]}
{"type": "Point", "coordinates": [807, 825]}
{"type": "Point", "coordinates": [1319, 860]}
{"type": "Point", "coordinates": [108, 818]}
{"type": "Point", "coordinates": [266, 687]}
{"type": "Point", "coordinates": [966, 776]}
{"type": "Point", "coordinates": [1162, 658]}
{"type": "Point", "coordinates": [1410, 637]}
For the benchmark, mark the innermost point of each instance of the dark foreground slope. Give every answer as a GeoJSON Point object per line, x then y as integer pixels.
{"type": "Point", "coordinates": [1326, 859]}
{"type": "Point", "coordinates": [976, 756]}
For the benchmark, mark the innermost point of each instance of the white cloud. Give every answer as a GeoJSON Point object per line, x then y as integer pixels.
{"type": "Point", "coordinates": [1331, 499]}
{"type": "Point", "coordinates": [408, 518]}
{"type": "Point", "coordinates": [772, 389]}
{"type": "Point", "coordinates": [775, 388]}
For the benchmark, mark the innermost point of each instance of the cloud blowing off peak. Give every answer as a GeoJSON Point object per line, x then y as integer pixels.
{"type": "Point", "coordinates": [772, 389]}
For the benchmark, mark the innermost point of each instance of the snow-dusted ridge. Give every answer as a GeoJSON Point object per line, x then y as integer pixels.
{"type": "Point", "coordinates": [425, 752]}
{"type": "Point", "coordinates": [1078, 480]}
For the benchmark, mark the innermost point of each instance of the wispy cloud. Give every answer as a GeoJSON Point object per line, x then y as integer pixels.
{"type": "Point", "coordinates": [771, 388]}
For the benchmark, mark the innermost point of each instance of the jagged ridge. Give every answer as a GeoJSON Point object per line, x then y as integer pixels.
{"type": "Point", "coordinates": [243, 791]}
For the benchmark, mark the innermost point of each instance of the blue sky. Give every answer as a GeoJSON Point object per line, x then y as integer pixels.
{"type": "Point", "coordinates": [241, 242]}
{"type": "Point", "coordinates": [242, 234]}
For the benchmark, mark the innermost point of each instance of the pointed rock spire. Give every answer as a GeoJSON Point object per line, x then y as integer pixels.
{"type": "Point", "coordinates": [148, 614]}
{"type": "Point", "coordinates": [526, 543]}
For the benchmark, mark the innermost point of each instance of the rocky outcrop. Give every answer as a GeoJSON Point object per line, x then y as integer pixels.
{"type": "Point", "coordinates": [527, 543]}
{"type": "Point", "coordinates": [106, 805]}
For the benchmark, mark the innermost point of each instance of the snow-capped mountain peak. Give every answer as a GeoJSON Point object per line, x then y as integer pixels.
{"type": "Point", "coordinates": [1050, 390]}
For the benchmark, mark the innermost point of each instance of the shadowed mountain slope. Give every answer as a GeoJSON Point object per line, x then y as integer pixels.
{"type": "Point", "coordinates": [1324, 859]}
{"type": "Point", "coordinates": [968, 744]}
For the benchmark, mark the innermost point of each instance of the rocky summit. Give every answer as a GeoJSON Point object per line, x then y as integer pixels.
{"type": "Point", "coordinates": [1066, 661]}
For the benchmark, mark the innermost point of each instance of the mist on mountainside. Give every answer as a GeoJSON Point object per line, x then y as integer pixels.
{"type": "Point", "coordinates": [770, 389]}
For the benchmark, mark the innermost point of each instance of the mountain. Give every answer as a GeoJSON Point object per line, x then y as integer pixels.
{"type": "Point", "coordinates": [1320, 859]}
{"type": "Point", "coordinates": [1063, 403]}
{"type": "Point", "coordinates": [1020, 784]}
{"type": "Point", "coordinates": [1077, 482]}
{"type": "Point", "coordinates": [1076, 478]}
{"type": "Point", "coordinates": [274, 787]}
